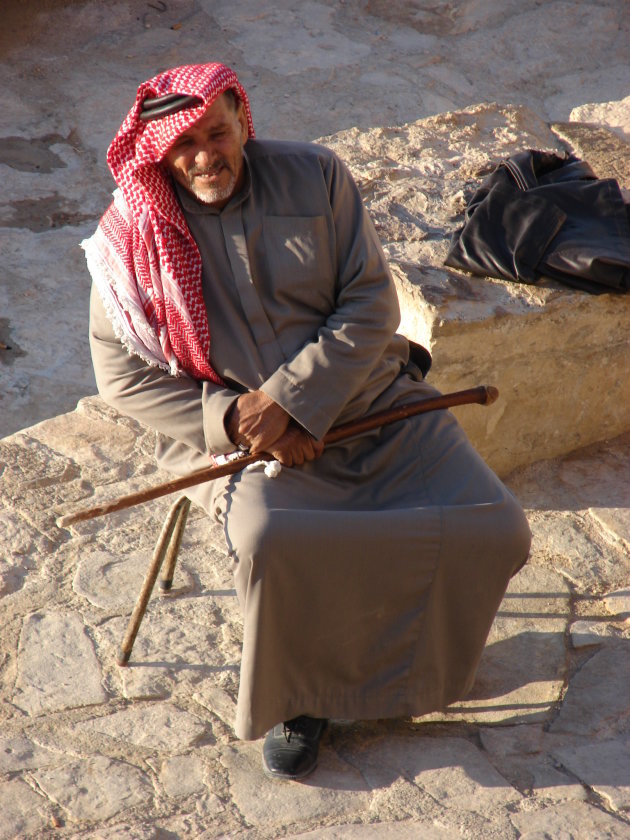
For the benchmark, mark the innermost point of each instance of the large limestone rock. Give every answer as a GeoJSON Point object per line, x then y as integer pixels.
{"type": "Point", "coordinates": [558, 356]}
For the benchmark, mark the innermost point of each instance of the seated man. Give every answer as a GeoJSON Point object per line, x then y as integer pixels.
{"type": "Point", "coordinates": [241, 298]}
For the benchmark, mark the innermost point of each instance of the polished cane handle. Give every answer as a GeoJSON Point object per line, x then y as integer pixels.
{"type": "Point", "coordinates": [483, 395]}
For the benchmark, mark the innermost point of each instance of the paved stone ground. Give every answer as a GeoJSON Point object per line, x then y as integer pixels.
{"type": "Point", "coordinates": [541, 748]}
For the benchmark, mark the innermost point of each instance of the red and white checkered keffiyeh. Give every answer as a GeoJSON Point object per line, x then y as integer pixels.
{"type": "Point", "coordinates": [142, 256]}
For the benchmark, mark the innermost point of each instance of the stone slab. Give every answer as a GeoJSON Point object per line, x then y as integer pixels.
{"type": "Point", "coordinates": [22, 546]}
{"type": "Point", "coordinates": [218, 701]}
{"type": "Point", "coordinates": [96, 788]}
{"type": "Point", "coordinates": [45, 368]}
{"type": "Point", "coordinates": [176, 635]}
{"type": "Point", "coordinates": [605, 146]}
{"type": "Point", "coordinates": [82, 436]}
{"type": "Point", "coordinates": [57, 666]}
{"type": "Point", "coordinates": [450, 770]}
{"type": "Point", "coordinates": [587, 633]}
{"type": "Point", "coordinates": [598, 697]}
{"type": "Point", "coordinates": [574, 821]}
{"type": "Point", "coordinates": [314, 43]}
{"type": "Point", "coordinates": [568, 542]}
{"type": "Point", "coordinates": [615, 520]}
{"type": "Point", "coordinates": [184, 642]}
{"type": "Point", "coordinates": [24, 812]}
{"type": "Point", "coordinates": [113, 582]}
{"type": "Point", "coordinates": [565, 499]}
{"type": "Point", "coordinates": [205, 822]}
{"type": "Point", "coordinates": [207, 806]}
{"type": "Point", "coordinates": [615, 115]}
{"type": "Point", "coordinates": [604, 767]}
{"type": "Point", "coordinates": [147, 683]}
{"type": "Point", "coordinates": [523, 755]}
{"type": "Point", "coordinates": [158, 727]}
{"type": "Point", "coordinates": [21, 753]}
{"type": "Point", "coordinates": [338, 791]}
{"type": "Point", "coordinates": [381, 831]}
{"type": "Point", "coordinates": [618, 604]}
{"type": "Point", "coordinates": [124, 831]}
{"type": "Point", "coordinates": [182, 775]}
{"type": "Point", "coordinates": [28, 466]}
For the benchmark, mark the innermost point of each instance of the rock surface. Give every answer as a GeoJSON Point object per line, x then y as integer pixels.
{"type": "Point", "coordinates": [547, 348]}
{"type": "Point", "coordinates": [95, 788]}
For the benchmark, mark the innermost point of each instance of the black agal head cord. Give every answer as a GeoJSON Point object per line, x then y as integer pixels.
{"type": "Point", "coordinates": [170, 103]}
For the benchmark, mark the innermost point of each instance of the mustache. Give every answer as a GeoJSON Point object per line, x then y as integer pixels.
{"type": "Point", "coordinates": [206, 170]}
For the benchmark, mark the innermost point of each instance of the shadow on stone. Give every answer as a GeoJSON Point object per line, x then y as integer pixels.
{"type": "Point", "coordinates": [517, 661]}
{"type": "Point", "coordinates": [9, 350]}
{"type": "Point", "coordinates": [45, 213]}
{"type": "Point", "coordinates": [31, 155]}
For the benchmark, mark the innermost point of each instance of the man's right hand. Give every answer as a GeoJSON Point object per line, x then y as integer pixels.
{"type": "Point", "coordinates": [256, 421]}
{"type": "Point", "coordinates": [261, 425]}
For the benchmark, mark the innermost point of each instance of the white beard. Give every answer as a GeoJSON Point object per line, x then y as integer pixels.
{"type": "Point", "coordinates": [210, 195]}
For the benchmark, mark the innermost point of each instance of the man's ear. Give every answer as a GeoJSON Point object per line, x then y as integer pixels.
{"type": "Point", "coordinates": [242, 118]}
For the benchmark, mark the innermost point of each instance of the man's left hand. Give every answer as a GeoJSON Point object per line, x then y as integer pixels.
{"type": "Point", "coordinates": [296, 446]}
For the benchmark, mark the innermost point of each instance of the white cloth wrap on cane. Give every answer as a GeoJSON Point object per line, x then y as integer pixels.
{"type": "Point", "coordinates": [272, 468]}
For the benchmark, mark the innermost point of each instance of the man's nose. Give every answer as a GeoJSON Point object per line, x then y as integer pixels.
{"type": "Point", "coordinates": [205, 155]}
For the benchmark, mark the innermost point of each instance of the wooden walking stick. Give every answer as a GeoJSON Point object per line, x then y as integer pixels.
{"type": "Point", "coordinates": [482, 395]}
{"type": "Point", "coordinates": [166, 548]}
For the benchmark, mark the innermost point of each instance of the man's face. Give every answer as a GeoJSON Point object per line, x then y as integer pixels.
{"type": "Point", "coordinates": [207, 158]}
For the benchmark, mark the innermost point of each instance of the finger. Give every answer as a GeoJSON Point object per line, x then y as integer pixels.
{"type": "Point", "coordinates": [312, 448]}
{"type": "Point", "coordinates": [288, 455]}
{"type": "Point", "coordinates": [298, 457]}
{"type": "Point", "coordinates": [285, 458]}
{"type": "Point", "coordinates": [296, 447]}
{"type": "Point", "coordinates": [264, 439]}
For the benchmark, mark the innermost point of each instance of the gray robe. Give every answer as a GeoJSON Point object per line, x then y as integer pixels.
{"type": "Point", "coordinates": [369, 578]}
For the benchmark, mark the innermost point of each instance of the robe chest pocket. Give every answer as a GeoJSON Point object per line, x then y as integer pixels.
{"type": "Point", "coordinates": [298, 254]}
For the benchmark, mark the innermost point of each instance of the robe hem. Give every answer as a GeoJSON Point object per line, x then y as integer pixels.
{"type": "Point", "coordinates": [351, 707]}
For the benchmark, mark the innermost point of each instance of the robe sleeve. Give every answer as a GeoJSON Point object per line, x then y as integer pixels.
{"type": "Point", "coordinates": [323, 376]}
{"type": "Point", "coordinates": [179, 407]}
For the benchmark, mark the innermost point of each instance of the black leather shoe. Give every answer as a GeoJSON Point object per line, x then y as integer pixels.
{"type": "Point", "coordinates": [290, 748]}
